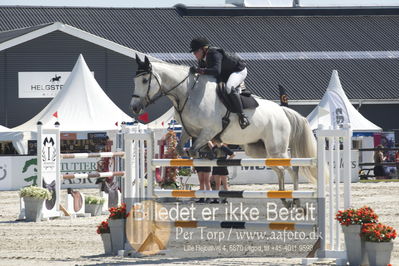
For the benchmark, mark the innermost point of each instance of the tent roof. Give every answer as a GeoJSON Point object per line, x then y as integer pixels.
{"type": "Point", "coordinates": [337, 105]}
{"type": "Point", "coordinates": [80, 106]}
{"type": "Point", "coordinates": [4, 129]}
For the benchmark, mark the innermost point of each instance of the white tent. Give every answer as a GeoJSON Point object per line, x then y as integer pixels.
{"type": "Point", "coordinates": [3, 128]}
{"type": "Point", "coordinates": [17, 138]}
{"type": "Point", "coordinates": [335, 109]}
{"type": "Point", "coordinates": [80, 106]}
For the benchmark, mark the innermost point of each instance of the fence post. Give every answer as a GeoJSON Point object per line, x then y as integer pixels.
{"type": "Point", "coordinates": [321, 193]}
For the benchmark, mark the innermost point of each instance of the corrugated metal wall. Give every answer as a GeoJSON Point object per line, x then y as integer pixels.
{"type": "Point", "coordinates": [58, 51]}
{"type": "Point", "coordinates": [2, 89]}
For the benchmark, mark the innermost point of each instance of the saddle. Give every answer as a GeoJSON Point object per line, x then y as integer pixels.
{"type": "Point", "coordinates": [248, 101]}
{"type": "Point", "coordinates": [50, 187]}
{"type": "Point", "coordinates": [77, 199]}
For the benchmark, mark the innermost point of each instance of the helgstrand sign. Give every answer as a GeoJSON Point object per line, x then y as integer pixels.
{"type": "Point", "coordinates": [41, 84]}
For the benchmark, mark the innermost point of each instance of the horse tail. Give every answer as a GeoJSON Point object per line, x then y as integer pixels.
{"type": "Point", "coordinates": [302, 142]}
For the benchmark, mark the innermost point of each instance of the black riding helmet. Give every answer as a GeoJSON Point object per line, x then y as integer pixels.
{"type": "Point", "coordinates": [197, 43]}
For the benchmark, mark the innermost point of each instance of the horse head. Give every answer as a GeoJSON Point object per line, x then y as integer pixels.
{"type": "Point", "coordinates": [146, 85]}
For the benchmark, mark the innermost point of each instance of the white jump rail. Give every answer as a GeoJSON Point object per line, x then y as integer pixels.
{"type": "Point", "coordinates": [327, 205]}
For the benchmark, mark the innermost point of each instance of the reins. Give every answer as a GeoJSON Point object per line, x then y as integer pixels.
{"type": "Point", "coordinates": [164, 93]}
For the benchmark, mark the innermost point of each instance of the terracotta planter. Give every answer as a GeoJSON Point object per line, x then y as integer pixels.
{"type": "Point", "coordinates": [355, 250]}
{"type": "Point", "coordinates": [107, 243]}
{"type": "Point", "coordinates": [93, 209]}
{"type": "Point", "coordinates": [33, 209]}
{"type": "Point", "coordinates": [379, 253]}
{"type": "Point", "coordinates": [118, 236]}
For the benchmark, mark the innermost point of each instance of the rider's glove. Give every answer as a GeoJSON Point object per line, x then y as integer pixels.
{"type": "Point", "coordinates": [193, 69]}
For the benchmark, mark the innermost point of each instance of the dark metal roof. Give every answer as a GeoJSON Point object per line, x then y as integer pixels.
{"type": "Point", "coordinates": [11, 34]}
{"type": "Point", "coordinates": [169, 30]}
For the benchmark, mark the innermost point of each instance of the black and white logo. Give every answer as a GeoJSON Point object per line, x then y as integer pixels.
{"type": "Point", "coordinates": [3, 172]}
{"type": "Point", "coordinates": [55, 79]}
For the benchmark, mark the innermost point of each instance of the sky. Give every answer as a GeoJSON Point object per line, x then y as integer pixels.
{"type": "Point", "coordinates": [170, 3]}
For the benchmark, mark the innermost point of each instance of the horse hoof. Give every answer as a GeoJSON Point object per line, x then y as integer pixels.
{"type": "Point", "coordinates": [287, 203]}
{"type": "Point", "coordinates": [180, 151]}
{"type": "Point", "coordinates": [193, 153]}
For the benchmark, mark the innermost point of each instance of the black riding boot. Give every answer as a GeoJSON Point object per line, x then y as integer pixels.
{"type": "Point", "coordinates": [236, 101]}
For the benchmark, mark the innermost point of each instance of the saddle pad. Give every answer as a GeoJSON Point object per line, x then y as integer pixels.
{"type": "Point", "coordinates": [77, 199]}
{"type": "Point", "coordinates": [248, 102]}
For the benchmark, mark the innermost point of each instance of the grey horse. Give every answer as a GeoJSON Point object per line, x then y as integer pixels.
{"type": "Point", "coordinates": [272, 132]}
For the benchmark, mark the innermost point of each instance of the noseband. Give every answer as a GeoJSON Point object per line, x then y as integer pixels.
{"type": "Point", "coordinates": [148, 100]}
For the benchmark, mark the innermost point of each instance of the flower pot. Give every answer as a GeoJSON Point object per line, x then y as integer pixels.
{"type": "Point", "coordinates": [355, 251]}
{"type": "Point", "coordinates": [117, 228]}
{"type": "Point", "coordinates": [33, 209]}
{"type": "Point", "coordinates": [379, 253]}
{"type": "Point", "coordinates": [107, 243]}
{"type": "Point", "coordinates": [94, 209]}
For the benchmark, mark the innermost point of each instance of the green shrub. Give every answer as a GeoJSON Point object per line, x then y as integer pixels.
{"type": "Point", "coordinates": [94, 200]}
{"type": "Point", "coordinates": [35, 192]}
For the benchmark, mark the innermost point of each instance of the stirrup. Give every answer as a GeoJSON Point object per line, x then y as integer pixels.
{"type": "Point", "coordinates": [243, 120]}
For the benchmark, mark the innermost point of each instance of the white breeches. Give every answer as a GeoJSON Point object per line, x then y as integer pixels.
{"type": "Point", "coordinates": [235, 79]}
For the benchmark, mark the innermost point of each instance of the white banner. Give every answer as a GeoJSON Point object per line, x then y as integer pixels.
{"type": "Point", "coordinates": [41, 84]}
{"type": "Point", "coordinates": [20, 171]}
{"type": "Point", "coordinates": [17, 172]}
{"type": "Point", "coordinates": [5, 173]}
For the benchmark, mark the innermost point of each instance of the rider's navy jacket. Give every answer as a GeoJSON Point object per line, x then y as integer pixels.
{"type": "Point", "coordinates": [221, 64]}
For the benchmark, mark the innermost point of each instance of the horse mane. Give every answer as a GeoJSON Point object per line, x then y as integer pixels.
{"type": "Point", "coordinates": [183, 67]}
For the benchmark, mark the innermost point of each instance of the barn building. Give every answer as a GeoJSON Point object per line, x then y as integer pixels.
{"type": "Point", "coordinates": [296, 47]}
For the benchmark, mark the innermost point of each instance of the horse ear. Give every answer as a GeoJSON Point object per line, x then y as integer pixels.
{"type": "Point", "coordinates": [146, 61]}
{"type": "Point", "coordinates": [138, 60]}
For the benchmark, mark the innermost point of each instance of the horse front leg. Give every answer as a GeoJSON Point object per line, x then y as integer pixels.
{"type": "Point", "coordinates": [201, 141]}
{"type": "Point", "coordinates": [183, 140]}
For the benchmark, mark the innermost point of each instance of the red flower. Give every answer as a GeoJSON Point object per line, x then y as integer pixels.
{"type": "Point", "coordinates": [356, 216]}
{"type": "Point", "coordinates": [103, 227]}
{"type": "Point", "coordinates": [378, 233]}
{"type": "Point", "coordinates": [118, 212]}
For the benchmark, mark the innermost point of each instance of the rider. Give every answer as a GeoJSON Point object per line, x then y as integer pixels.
{"type": "Point", "coordinates": [227, 68]}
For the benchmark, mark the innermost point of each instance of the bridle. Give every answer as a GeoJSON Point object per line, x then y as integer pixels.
{"type": "Point", "coordinates": [162, 92]}
{"type": "Point", "coordinates": [167, 92]}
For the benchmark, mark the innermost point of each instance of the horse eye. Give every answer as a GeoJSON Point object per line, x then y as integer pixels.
{"type": "Point", "coordinates": [145, 81]}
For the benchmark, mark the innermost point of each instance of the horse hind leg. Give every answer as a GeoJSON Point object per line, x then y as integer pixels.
{"type": "Point", "coordinates": [294, 173]}
{"type": "Point", "coordinates": [296, 203]}
{"type": "Point", "coordinates": [279, 170]}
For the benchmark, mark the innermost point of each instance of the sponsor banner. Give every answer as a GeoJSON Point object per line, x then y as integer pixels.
{"type": "Point", "coordinates": [20, 171]}
{"type": "Point", "coordinates": [246, 175]}
{"type": "Point", "coordinates": [79, 166]}
{"type": "Point", "coordinates": [68, 136]}
{"type": "Point", "coordinates": [5, 173]}
{"type": "Point", "coordinates": [41, 84]}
